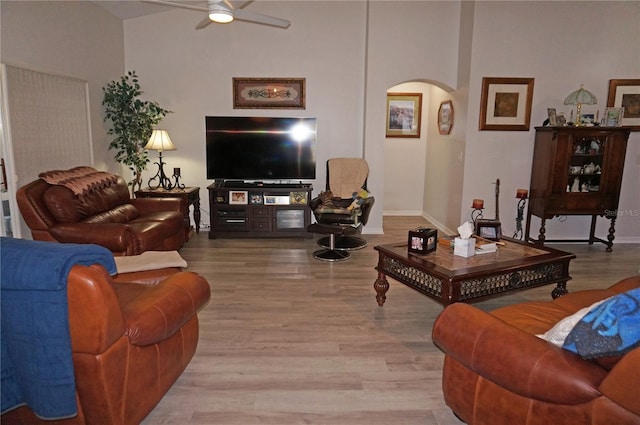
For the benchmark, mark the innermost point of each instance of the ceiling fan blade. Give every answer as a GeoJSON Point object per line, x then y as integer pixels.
{"type": "Point", "coordinates": [258, 18]}
{"type": "Point", "coordinates": [240, 4]}
{"type": "Point", "coordinates": [204, 23]}
{"type": "Point", "coordinates": [175, 4]}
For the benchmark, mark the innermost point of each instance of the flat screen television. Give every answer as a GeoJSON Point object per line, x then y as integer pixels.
{"type": "Point", "coordinates": [261, 148]}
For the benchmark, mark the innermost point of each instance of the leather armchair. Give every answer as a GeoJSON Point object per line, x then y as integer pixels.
{"type": "Point", "coordinates": [106, 217]}
{"type": "Point", "coordinates": [130, 342]}
{"type": "Point", "coordinates": [497, 371]}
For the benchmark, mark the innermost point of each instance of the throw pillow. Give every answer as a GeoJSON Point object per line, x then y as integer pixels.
{"type": "Point", "coordinates": [327, 199]}
{"type": "Point", "coordinates": [558, 334]}
{"type": "Point", "coordinates": [358, 198]}
{"type": "Point", "coordinates": [611, 328]}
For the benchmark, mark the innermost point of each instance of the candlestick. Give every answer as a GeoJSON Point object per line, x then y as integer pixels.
{"type": "Point", "coordinates": [478, 204]}
{"type": "Point", "coordinates": [521, 194]}
{"type": "Point", "coordinates": [176, 172]}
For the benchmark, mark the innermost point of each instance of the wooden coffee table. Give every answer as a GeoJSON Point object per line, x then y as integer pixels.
{"type": "Point", "coordinates": [448, 278]}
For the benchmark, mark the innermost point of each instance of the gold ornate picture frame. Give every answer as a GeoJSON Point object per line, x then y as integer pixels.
{"type": "Point", "coordinates": [269, 93]}
{"type": "Point", "coordinates": [404, 114]}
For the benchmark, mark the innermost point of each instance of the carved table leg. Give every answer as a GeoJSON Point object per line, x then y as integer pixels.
{"type": "Point", "coordinates": [612, 230]}
{"type": "Point", "coordinates": [560, 290]}
{"type": "Point", "coordinates": [196, 213]}
{"type": "Point", "coordinates": [541, 236]}
{"type": "Point", "coordinates": [381, 286]}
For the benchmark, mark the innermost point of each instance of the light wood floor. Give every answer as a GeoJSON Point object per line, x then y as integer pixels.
{"type": "Point", "coordinates": [287, 339]}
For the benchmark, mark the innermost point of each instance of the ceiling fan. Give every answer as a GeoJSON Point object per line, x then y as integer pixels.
{"type": "Point", "coordinates": [225, 11]}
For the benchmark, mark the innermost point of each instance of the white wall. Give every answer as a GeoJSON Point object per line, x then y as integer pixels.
{"type": "Point", "coordinates": [405, 160]}
{"type": "Point", "coordinates": [76, 39]}
{"type": "Point", "coordinates": [190, 72]}
{"type": "Point", "coordinates": [540, 40]}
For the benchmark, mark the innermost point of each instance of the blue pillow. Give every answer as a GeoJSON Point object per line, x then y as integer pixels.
{"type": "Point", "coordinates": [611, 328]}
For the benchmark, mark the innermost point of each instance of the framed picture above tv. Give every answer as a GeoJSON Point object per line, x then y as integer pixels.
{"type": "Point", "coordinates": [268, 93]}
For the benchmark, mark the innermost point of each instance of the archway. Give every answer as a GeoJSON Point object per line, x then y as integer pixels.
{"type": "Point", "coordinates": [423, 175]}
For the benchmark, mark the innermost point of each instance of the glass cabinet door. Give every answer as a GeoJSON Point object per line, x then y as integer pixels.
{"type": "Point", "coordinates": [585, 164]}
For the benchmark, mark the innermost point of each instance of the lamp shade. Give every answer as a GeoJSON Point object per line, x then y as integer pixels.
{"type": "Point", "coordinates": [581, 96]}
{"type": "Point", "coordinates": [219, 12]}
{"type": "Point", "coordinates": [160, 141]}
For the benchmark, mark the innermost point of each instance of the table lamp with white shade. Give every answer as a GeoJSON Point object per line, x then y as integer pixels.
{"type": "Point", "coordinates": [160, 141]}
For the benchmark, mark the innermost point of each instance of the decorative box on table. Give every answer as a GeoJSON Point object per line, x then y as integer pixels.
{"type": "Point", "coordinates": [422, 240]}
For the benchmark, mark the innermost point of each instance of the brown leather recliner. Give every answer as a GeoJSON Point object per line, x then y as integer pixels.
{"type": "Point", "coordinates": [498, 372]}
{"type": "Point", "coordinates": [130, 342]}
{"type": "Point", "coordinates": [107, 216]}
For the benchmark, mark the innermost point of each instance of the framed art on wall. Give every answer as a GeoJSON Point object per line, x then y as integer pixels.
{"type": "Point", "coordinates": [404, 114]}
{"type": "Point", "coordinates": [445, 117]}
{"type": "Point", "coordinates": [626, 94]}
{"type": "Point", "coordinates": [268, 93]}
{"type": "Point", "coordinates": [505, 104]}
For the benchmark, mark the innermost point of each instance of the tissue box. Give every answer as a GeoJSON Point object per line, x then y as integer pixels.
{"type": "Point", "coordinates": [464, 247]}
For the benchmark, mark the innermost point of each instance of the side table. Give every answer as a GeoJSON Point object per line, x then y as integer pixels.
{"type": "Point", "coordinates": [190, 194]}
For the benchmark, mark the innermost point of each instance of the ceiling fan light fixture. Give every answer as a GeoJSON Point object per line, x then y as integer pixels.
{"type": "Point", "coordinates": [218, 12]}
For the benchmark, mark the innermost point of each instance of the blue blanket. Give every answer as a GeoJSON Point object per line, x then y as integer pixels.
{"type": "Point", "coordinates": [37, 364]}
{"type": "Point", "coordinates": [612, 328]}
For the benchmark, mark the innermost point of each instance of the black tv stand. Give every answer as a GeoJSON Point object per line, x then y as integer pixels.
{"type": "Point", "coordinates": [259, 210]}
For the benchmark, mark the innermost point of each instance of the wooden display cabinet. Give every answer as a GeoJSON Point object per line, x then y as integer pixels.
{"type": "Point", "coordinates": [577, 171]}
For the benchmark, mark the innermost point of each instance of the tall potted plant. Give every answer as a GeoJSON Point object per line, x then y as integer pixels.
{"type": "Point", "coordinates": [132, 121]}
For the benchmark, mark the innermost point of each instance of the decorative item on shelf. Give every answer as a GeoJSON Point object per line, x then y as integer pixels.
{"type": "Point", "coordinates": [476, 213]}
{"type": "Point", "coordinates": [422, 240]}
{"type": "Point", "coordinates": [521, 195]}
{"type": "Point", "coordinates": [176, 176]}
{"type": "Point", "coordinates": [624, 94]}
{"type": "Point", "coordinates": [487, 228]}
{"type": "Point", "coordinates": [160, 141]}
{"type": "Point", "coordinates": [580, 97]}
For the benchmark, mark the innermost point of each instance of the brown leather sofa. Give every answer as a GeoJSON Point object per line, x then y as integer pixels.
{"type": "Point", "coordinates": [107, 216]}
{"type": "Point", "coordinates": [496, 371]}
{"type": "Point", "coordinates": [130, 342]}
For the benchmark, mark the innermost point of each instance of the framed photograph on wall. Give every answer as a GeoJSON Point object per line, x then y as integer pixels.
{"type": "Point", "coordinates": [505, 104]}
{"type": "Point", "coordinates": [626, 94]}
{"type": "Point", "coordinates": [404, 113]}
{"type": "Point", "coordinates": [445, 117]}
{"type": "Point", "coordinates": [268, 93]}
